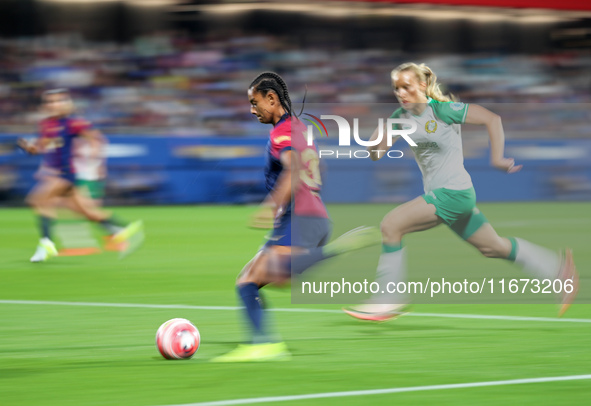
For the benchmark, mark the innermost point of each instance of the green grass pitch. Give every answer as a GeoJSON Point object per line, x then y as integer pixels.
{"type": "Point", "coordinates": [55, 354]}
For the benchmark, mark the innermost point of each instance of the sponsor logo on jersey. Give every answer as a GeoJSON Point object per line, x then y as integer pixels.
{"type": "Point", "coordinates": [427, 145]}
{"type": "Point", "coordinates": [431, 126]}
{"type": "Point", "coordinates": [281, 138]}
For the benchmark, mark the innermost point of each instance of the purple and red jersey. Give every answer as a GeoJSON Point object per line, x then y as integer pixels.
{"type": "Point", "coordinates": [290, 134]}
{"type": "Point", "coordinates": [59, 151]}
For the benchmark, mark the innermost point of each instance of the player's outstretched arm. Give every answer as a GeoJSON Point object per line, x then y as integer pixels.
{"type": "Point", "coordinates": [482, 116]}
{"type": "Point", "coordinates": [33, 148]}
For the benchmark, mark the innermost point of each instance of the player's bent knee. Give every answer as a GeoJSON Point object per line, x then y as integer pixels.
{"type": "Point", "coordinates": [255, 271]}
{"type": "Point", "coordinates": [391, 230]}
{"type": "Point", "coordinates": [491, 252]}
{"type": "Point", "coordinates": [267, 268]}
{"type": "Point", "coordinates": [246, 275]}
{"type": "Point", "coordinates": [486, 251]}
{"type": "Point", "coordinates": [34, 199]}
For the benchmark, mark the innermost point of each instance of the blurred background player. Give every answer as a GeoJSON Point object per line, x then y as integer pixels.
{"type": "Point", "coordinates": [56, 143]}
{"type": "Point", "coordinates": [295, 211]}
{"type": "Point", "coordinates": [90, 166]}
{"type": "Point", "coordinates": [73, 231]}
{"type": "Point", "coordinates": [449, 195]}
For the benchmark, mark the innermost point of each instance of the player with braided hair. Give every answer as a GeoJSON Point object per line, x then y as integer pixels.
{"type": "Point", "coordinates": [295, 212]}
{"type": "Point", "coordinates": [270, 81]}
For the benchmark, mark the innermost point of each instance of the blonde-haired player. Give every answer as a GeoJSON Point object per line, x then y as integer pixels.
{"type": "Point", "coordinates": [449, 195]}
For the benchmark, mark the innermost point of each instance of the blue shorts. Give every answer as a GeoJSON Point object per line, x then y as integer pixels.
{"type": "Point", "coordinates": [300, 231]}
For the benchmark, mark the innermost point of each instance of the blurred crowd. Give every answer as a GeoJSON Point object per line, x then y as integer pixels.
{"type": "Point", "coordinates": [172, 84]}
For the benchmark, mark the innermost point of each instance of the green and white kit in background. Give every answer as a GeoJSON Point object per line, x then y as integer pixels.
{"type": "Point", "coordinates": [440, 157]}
{"type": "Point", "coordinates": [449, 188]}
{"type": "Point", "coordinates": [88, 167]}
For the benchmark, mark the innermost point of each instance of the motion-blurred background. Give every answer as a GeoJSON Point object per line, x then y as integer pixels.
{"type": "Point", "coordinates": [166, 81]}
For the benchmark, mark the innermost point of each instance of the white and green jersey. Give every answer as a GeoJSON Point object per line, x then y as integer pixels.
{"type": "Point", "coordinates": [87, 163]}
{"type": "Point", "coordinates": [439, 144]}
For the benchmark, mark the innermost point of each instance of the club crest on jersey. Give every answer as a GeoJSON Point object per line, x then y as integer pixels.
{"type": "Point", "coordinates": [431, 126]}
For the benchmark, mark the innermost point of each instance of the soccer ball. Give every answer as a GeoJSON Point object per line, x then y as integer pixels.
{"type": "Point", "coordinates": [177, 339]}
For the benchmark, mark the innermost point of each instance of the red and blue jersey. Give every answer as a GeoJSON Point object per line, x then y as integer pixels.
{"type": "Point", "coordinates": [59, 150]}
{"type": "Point", "coordinates": [291, 134]}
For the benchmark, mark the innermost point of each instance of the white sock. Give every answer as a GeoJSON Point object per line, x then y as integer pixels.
{"type": "Point", "coordinates": [391, 270]}
{"type": "Point", "coordinates": [537, 261]}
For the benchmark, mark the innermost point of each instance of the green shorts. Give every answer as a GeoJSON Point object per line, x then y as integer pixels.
{"type": "Point", "coordinates": [93, 188]}
{"type": "Point", "coordinates": [457, 209]}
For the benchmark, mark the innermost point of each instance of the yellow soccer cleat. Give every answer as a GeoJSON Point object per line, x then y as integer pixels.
{"type": "Point", "coordinates": [131, 237]}
{"type": "Point", "coordinates": [49, 247]}
{"type": "Point", "coordinates": [45, 250]}
{"type": "Point", "coordinates": [127, 232]}
{"type": "Point", "coordinates": [256, 353]}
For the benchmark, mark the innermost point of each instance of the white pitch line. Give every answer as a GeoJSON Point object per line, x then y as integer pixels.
{"type": "Point", "coordinates": [289, 310]}
{"type": "Point", "coordinates": [369, 392]}
{"type": "Point", "coordinates": [129, 305]}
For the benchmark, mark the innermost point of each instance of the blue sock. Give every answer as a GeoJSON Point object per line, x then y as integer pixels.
{"type": "Point", "coordinates": [249, 294]}
{"type": "Point", "coordinates": [300, 262]}
{"type": "Point", "coordinates": [45, 225]}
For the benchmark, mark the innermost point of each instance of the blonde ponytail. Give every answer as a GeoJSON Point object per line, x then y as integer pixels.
{"type": "Point", "coordinates": [426, 75]}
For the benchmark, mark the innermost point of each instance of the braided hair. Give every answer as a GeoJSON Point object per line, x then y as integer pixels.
{"type": "Point", "coordinates": [270, 81]}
